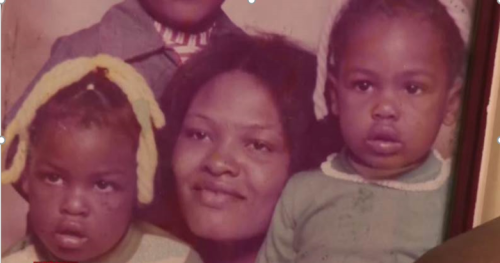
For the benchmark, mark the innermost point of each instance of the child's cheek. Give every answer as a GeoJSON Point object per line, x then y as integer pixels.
{"type": "Point", "coordinates": [117, 203]}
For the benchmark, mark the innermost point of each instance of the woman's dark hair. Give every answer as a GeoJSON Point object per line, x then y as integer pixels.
{"type": "Point", "coordinates": [359, 11]}
{"type": "Point", "coordinates": [103, 104]}
{"type": "Point", "coordinates": [287, 71]}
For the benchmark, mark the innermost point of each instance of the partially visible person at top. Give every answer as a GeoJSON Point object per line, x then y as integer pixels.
{"type": "Point", "coordinates": [395, 72]}
{"type": "Point", "coordinates": [241, 121]}
{"type": "Point", "coordinates": [90, 158]}
{"type": "Point", "coordinates": [155, 36]}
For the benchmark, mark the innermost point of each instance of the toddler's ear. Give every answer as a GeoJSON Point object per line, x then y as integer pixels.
{"type": "Point", "coordinates": [331, 86]}
{"type": "Point", "coordinates": [453, 102]}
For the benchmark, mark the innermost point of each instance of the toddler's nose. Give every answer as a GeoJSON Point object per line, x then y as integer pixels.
{"type": "Point", "coordinates": [386, 110]}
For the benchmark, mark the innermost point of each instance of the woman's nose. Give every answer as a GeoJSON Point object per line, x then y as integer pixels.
{"type": "Point", "coordinates": [222, 161]}
{"type": "Point", "coordinates": [75, 203]}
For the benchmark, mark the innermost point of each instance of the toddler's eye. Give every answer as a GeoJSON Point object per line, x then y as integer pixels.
{"type": "Point", "coordinates": [413, 89]}
{"type": "Point", "coordinates": [53, 179]}
{"type": "Point", "coordinates": [362, 85]}
{"type": "Point", "coordinates": [104, 186]}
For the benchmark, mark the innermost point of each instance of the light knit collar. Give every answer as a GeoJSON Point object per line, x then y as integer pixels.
{"type": "Point", "coordinates": [429, 185]}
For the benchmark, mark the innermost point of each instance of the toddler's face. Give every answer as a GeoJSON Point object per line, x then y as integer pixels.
{"type": "Point", "coordinates": [393, 92]}
{"type": "Point", "coordinates": [231, 159]}
{"type": "Point", "coordinates": [82, 190]}
{"type": "Point", "coordinates": [184, 14]}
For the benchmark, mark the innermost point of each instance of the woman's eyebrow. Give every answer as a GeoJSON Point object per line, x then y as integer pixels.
{"type": "Point", "coordinates": [255, 126]}
{"type": "Point", "coordinates": [199, 115]}
{"type": "Point", "coordinates": [241, 125]}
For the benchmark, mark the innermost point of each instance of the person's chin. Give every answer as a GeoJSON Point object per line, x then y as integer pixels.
{"type": "Point", "coordinates": [187, 20]}
{"type": "Point", "coordinates": [385, 162]}
{"type": "Point", "coordinates": [215, 231]}
{"type": "Point", "coordinates": [79, 255]}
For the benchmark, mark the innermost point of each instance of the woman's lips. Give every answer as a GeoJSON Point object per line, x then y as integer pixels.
{"type": "Point", "coordinates": [384, 140]}
{"type": "Point", "coordinates": [70, 235]}
{"type": "Point", "coordinates": [216, 195]}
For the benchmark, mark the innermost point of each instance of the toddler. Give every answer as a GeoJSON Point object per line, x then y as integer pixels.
{"type": "Point", "coordinates": [394, 77]}
{"type": "Point", "coordinates": [86, 138]}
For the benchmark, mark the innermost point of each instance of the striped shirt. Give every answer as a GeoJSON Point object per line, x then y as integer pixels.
{"type": "Point", "coordinates": [184, 44]}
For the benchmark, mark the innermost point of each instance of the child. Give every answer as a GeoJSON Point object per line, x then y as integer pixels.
{"type": "Point", "coordinates": [395, 79]}
{"type": "Point", "coordinates": [86, 137]}
{"type": "Point", "coordinates": [151, 34]}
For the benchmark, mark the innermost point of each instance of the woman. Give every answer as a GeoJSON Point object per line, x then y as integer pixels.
{"type": "Point", "coordinates": [241, 121]}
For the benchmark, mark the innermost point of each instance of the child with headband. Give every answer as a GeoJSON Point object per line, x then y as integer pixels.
{"type": "Point", "coordinates": [395, 71]}
{"type": "Point", "coordinates": [86, 141]}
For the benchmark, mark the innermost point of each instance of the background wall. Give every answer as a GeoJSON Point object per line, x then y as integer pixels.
{"type": "Point", "coordinates": [29, 28]}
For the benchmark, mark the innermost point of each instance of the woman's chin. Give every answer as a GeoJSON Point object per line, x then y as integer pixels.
{"type": "Point", "coordinates": [216, 231]}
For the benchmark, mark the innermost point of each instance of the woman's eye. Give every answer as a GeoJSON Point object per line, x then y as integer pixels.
{"type": "Point", "coordinates": [259, 146]}
{"type": "Point", "coordinates": [196, 135]}
{"type": "Point", "coordinates": [413, 89]}
{"type": "Point", "coordinates": [362, 85]}
{"type": "Point", "coordinates": [53, 179]}
{"type": "Point", "coordinates": [104, 186]}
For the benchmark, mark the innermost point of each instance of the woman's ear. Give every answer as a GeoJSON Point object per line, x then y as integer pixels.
{"type": "Point", "coordinates": [332, 92]}
{"type": "Point", "coordinates": [453, 102]}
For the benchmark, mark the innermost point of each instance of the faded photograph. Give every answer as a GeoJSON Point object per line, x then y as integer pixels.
{"type": "Point", "coordinates": [224, 131]}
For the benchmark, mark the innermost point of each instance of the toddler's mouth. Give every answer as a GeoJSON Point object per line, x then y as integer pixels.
{"type": "Point", "coordinates": [384, 140]}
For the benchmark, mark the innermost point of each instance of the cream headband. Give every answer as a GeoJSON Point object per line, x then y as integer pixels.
{"type": "Point", "coordinates": [134, 86]}
{"type": "Point", "coordinates": [456, 8]}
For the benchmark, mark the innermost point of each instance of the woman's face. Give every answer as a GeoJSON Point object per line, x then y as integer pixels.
{"type": "Point", "coordinates": [231, 159]}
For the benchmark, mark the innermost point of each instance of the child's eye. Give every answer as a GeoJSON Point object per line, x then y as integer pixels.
{"type": "Point", "coordinates": [105, 186]}
{"type": "Point", "coordinates": [53, 179]}
{"type": "Point", "coordinates": [362, 85]}
{"type": "Point", "coordinates": [259, 146]}
{"type": "Point", "coordinates": [413, 89]}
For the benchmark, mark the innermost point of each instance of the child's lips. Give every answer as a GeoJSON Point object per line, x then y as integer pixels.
{"type": "Point", "coordinates": [384, 140]}
{"type": "Point", "coordinates": [70, 235]}
{"type": "Point", "coordinates": [70, 241]}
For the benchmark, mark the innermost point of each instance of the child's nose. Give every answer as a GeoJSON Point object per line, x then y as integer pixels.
{"type": "Point", "coordinates": [222, 161]}
{"type": "Point", "coordinates": [75, 204]}
{"type": "Point", "coordinates": [387, 109]}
